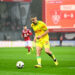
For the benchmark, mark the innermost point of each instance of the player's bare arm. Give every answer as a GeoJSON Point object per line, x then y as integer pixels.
{"type": "Point", "coordinates": [46, 32]}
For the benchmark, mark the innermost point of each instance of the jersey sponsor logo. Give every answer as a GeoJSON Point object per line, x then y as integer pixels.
{"type": "Point", "coordinates": [37, 31]}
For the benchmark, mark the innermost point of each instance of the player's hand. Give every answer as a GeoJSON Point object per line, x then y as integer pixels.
{"type": "Point", "coordinates": [27, 34]}
{"type": "Point", "coordinates": [39, 37]}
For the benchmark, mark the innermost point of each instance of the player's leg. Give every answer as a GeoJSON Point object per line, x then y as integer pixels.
{"type": "Point", "coordinates": [38, 52]}
{"type": "Point", "coordinates": [47, 50]}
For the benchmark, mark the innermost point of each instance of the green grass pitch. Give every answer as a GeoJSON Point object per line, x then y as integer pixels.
{"type": "Point", "coordinates": [65, 56]}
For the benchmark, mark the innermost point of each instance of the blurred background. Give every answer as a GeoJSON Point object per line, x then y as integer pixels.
{"type": "Point", "coordinates": [59, 16]}
{"type": "Point", "coordinates": [14, 15]}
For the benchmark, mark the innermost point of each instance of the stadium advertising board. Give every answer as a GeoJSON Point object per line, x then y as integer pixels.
{"type": "Point", "coordinates": [59, 15]}
{"type": "Point", "coordinates": [16, 0]}
{"type": "Point", "coordinates": [22, 43]}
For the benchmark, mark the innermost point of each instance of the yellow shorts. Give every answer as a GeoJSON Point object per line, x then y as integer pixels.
{"type": "Point", "coordinates": [43, 44]}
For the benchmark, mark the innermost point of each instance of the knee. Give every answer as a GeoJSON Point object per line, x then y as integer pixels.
{"type": "Point", "coordinates": [38, 53]}
{"type": "Point", "coordinates": [47, 51]}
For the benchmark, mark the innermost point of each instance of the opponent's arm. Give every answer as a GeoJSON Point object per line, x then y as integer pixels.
{"type": "Point", "coordinates": [30, 33]}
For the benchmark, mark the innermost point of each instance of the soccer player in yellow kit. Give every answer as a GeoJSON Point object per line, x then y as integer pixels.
{"type": "Point", "coordinates": [42, 40]}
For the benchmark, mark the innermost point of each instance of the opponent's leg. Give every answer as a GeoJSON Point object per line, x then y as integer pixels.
{"type": "Point", "coordinates": [28, 47]}
{"type": "Point", "coordinates": [31, 45]}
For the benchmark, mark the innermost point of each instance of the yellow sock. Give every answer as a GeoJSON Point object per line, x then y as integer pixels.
{"type": "Point", "coordinates": [32, 48]}
{"type": "Point", "coordinates": [39, 60]}
{"type": "Point", "coordinates": [54, 57]}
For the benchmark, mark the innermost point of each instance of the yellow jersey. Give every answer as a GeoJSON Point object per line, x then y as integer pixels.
{"type": "Point", "coordinates": [39, 29]}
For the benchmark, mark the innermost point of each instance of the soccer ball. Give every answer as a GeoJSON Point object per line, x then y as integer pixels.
{"type": "Point", "coordinates": [20, 64]}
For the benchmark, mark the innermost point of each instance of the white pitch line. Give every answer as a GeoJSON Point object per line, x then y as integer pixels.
{"type": "Point", "coordinates": [71, 67]}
